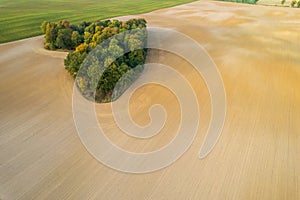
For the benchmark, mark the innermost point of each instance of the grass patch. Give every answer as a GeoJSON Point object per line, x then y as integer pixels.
{"type": "Point", "coordinates": [21, 19]}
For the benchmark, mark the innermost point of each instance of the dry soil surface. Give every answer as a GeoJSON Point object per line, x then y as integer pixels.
{"type": "Point", "coordinates": [256, 49]}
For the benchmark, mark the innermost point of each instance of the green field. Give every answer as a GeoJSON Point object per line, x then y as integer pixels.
{"type": "Point", "coordinates": [22, 18]}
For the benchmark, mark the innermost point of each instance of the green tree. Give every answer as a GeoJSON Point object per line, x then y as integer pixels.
{"type": "Point", "coordinates": [82, 26]}
{"type": "Point", "coordinates": [88, 37]}
{"type": "Point", "coordinates": [90, 28]}
{"type": "Point", "coordinates": [44, 26]}
{"type": "Point", "coordinates": [63, 40]}
{"type": "Point", "coordinates": [51, 32]}
{"type": "Point", "coordinates": [76, 39]}
{"type": "Point", "coordinates": [73, 62]}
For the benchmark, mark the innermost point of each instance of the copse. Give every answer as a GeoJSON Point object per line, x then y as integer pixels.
{"type": "Point", "coordinates": [62, 35]}
{"type": "Point", "coordinates": [117, 52]}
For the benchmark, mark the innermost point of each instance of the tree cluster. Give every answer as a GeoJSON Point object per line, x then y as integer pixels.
{"type": "Point", "coordinates": [62, 35]}
{"type": "Point", "coordinates": [110, 54]}
{"type": "Point", "coordinates": [294, 3]}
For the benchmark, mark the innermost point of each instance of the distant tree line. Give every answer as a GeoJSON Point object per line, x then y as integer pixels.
{"type": "Point", "coordinates": [117, 52]}
{"type": "Point", "coordinates": [243, 1]}
{"type": "Point", "coordinates": [294, 3]}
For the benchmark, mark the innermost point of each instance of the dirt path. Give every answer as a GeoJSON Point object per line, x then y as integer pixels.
{"type": "Point", "coordinates": [256, 49]}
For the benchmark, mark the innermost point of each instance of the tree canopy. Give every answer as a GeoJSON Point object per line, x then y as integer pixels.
{"type": "Point", "coordinates": [112, 49]}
